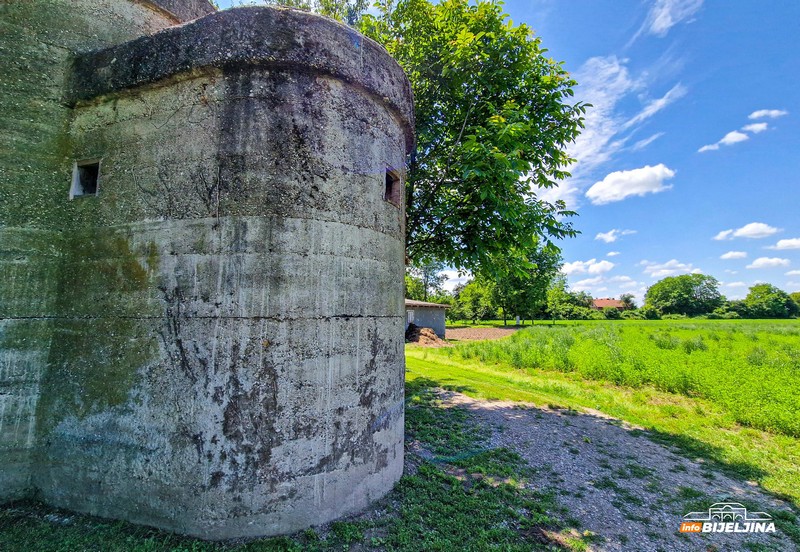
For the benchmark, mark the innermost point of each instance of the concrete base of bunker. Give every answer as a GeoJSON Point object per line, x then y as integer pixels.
{"type": "Point", "coordinates": [216, 342]}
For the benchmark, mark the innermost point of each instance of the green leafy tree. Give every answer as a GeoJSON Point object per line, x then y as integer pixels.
{"type": "Point", "coordinates": [611, 313]}
{"type": "Point", "coordinates": [795, 297]}
{"type": "Point", "coordinates": [524, 292]}
{"type": "Point", "coordinates": [493, 119]}
{"type": "Point", "coordinates": [430, 278]}
{"type": "Point", "coordinates": [628, 301]}
{"type": "Point", "coordinates": [473, 301]}
{"type": "Point", "coordinates": [414, 288]}
{"type": "Point", "coordinates": [563, 304]}
{"type": "Point", "coordinates": [689, 294]}
{"type": "Point", "coordinates": [767, 301]}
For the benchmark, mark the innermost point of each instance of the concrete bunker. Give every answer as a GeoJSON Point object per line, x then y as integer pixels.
{"type": "Point", "coordinates": [213, 344]}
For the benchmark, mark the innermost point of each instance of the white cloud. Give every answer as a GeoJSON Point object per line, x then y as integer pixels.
{"type": "Point", "coordinates": [587, 284]}
{"type": "Point", "coordinates": [732, 137]}
{"type": "Point", "coordinates": [793, 243]}
{"type": "Point", "coordinates": [612, 253]}
{"type": "Point", "coordinates": [753, 230]}
{"type": "Point", "coordinates": [600, 267]}
{"type": "Point", "coordinates": [767, 113]}
{"type": "Point", "coordinates": [613, 235]}
{"type": "Point", "coordinates": [731, 271]}
{"type": "Point", "coordinates": [795, 285]}
{"type": "Point", "coordinates": [654, 106]}
{"type": "Point", "coordinates": [641, 144]}
{"type": "Point", "coordinates": [769, 262]}
{"type": "Point", "coordinates": [592, 266]}
{"type": "Point", "coordinates": [733, 255]}
{"type": "Point", "coordinates": [604, 82]}
{"type": "Point", "coordinates": [618, 279]}
{"type": "Point", "coordinates": [755, 128]}
{"type": "Point", "coordinates": [734, 284]}
{"type": "Point", "coordinates": [609, 86]}
{"type": "Point", "coordinates": [454, 278]}
{"type": "Point", "coordinates": [665, 14]}
{"type": "Point", "coordinates": [793, 273]}
{"type": "Point", "coordinates": [623, 282]}
{"type": "Point", "coordinates": [670, 268]}
{"type": "Point", "coordinates": [602, 284]}
{"type": "Point", "coordinates": [637, 182]}
{"type": "Point", "coordinates": [567, 191]}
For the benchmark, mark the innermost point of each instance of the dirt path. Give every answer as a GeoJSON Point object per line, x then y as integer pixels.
{"type": "Point", "coordinates": [479, 333]}
{"type": "Point", "coordinates": [630, 491]}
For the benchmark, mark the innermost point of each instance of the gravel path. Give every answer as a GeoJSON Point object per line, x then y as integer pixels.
{"type": "Point", "coordinates": [619, 484]}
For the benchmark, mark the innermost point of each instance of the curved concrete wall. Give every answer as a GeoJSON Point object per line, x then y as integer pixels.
{"type": "Point", "coordinates": [225, 350]}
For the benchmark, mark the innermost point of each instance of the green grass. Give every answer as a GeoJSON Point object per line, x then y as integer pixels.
{"type": "Point", "coordinates": [492, 323]}
{"type": "Point", "coordinates": [694, 426]}
{"type": "Point", "coordinates": [749, 368]}
{"type": "Point", "coordinates": [467, 497]}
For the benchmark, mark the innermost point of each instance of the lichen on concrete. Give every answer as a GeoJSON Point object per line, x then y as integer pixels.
{"type": "Point", "coordinates": [213, 343]}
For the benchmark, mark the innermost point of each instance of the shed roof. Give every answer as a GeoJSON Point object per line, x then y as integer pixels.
{"type": "Point", "coordinates": [413, 303]}
{"type": "Point", "coordinates": [613, 303]}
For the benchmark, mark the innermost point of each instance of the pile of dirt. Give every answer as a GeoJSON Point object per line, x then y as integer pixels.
{"type": "Point", "coordinates": [423, 336]}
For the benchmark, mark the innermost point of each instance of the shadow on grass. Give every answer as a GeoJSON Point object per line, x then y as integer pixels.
{"type": "Point", "coordinates": [429, 509]}
{"type": "Point", "coordinates": [713, 457]}
{"type": "Point", "coordinates": [591, 459]}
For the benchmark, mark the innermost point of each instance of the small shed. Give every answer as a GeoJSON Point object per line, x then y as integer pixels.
{"type": "Point", "coordinates": [426, 315]}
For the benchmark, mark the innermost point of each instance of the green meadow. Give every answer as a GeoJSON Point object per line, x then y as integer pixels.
{"type": "Point", "coordinates": [726, 391]}
{"type": "Point", "coordinates": [750, 368]}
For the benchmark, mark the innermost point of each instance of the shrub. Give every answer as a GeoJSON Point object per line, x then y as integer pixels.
{"type": "Point", "coordinates": [650, 313]}
{"type": "Point", "coordinates": [631, 315]}
{"type": "Point", "coordinates": [610, 313]}
{"type": "Point", "coordinates": [674, 317]}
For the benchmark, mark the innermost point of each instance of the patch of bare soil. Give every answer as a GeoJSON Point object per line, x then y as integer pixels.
{"type": "Point", "coordinates": [424, 336]}
{"type": "Point", "coordinates": [479, 333]}
{"type": "Point", "coordinates": [617, 483]}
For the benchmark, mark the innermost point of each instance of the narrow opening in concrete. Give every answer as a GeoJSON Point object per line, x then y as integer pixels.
{"type": "Point", "coordinates": [85, 178]}
{"type": "Point", "coordinates": [393, 187]}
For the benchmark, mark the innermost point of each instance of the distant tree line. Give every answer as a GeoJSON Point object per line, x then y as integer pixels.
{"type": "Point", "coordinates": [543, 294]}
{"type": "Point", "coordinates": [699, 295]}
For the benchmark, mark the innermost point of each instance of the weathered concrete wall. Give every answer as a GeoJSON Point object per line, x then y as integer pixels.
{"type": "Point", "coordinates": [37, 41]}
{"type": "Point", "coordinates": [224, 353]}
{"type": "Point", "coordinates": [185, 10]}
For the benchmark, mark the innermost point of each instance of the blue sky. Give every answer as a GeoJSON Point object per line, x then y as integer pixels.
{"type": "Point", "coordinates": [689, 161]}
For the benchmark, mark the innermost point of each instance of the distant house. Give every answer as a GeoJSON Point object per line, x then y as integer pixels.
{"type": "Point", "coordinates": [600, 304]}
{"type": "Point", "coordinates": [426, 315]}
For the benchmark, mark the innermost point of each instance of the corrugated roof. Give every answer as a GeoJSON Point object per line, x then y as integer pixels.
{"type": "Point", "coordinates": [413, 303]}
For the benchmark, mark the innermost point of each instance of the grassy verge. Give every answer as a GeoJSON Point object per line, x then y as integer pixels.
{"type": "Point", "coordinates": [510, 323]}
{"type": "Point", "coordinates": [465, 496]}
{"type": "Point", "coordinates": [750, 368]}
{"type": "Point", "coordinates": [693, 426]}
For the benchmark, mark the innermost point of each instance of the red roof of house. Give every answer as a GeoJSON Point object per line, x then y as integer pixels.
{"type": "Point", "coordinates": [603, 303]}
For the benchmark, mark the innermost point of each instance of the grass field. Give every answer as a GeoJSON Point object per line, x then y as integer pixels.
{"type": "Point", "coordinates": [750, 368]}
{"type": "Point", "coordinates": [728, 391]}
